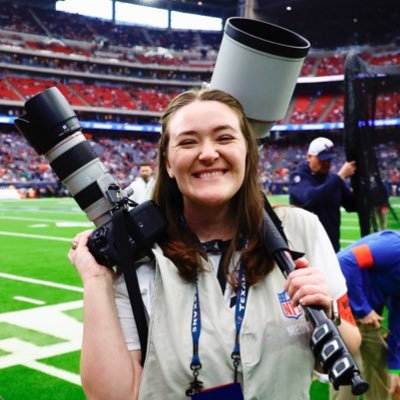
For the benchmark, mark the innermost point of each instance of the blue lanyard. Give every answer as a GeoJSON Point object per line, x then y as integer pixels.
{"type": "Point", "coordinates": [241, 301]}
{"type": "Point", "coordinates": [196, 328]}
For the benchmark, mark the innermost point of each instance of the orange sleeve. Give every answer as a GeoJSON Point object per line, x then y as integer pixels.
{"type": "Point", "coordinates": [363, 256]}
{"type": "Point", "coordinates": [345, 310]}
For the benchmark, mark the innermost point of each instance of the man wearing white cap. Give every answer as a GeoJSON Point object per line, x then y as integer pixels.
{"type": "Point", "coordinates": [315, 188]}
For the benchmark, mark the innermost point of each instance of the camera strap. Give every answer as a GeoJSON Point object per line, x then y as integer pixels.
{"type": "Point", "coordinates": [120, 222]}
{"type": "Point", "coordinates": [280, 233]}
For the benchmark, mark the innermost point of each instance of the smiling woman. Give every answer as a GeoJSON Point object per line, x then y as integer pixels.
{"type": "Point", "coordinates": [209, 274]}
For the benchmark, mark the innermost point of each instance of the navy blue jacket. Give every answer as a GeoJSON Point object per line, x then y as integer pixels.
{"type": "Point", "coordinates": [371, 266]}
{"type": "Point", "coordinates": [322, 194]}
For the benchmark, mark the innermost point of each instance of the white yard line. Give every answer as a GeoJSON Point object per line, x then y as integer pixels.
{"type": "Point", "coordinates": [41, 282]}
{"type": "Point", "coordinates": [56, 222]}
{"type": "Point", "coordinates": [29, 300]}
{"type": "Point", "coordinates": [29, 235]}
{"type": "Point", "coordinates": [53, 371]}
{"type": "Point", "coordinates": [30, 219]}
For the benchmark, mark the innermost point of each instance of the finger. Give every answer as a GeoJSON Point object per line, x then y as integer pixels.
{"type": "Point", "coordinates": [309, 295]}
{"type": "Point", "coordinates": [316, 299]}
{"type": "Point", "coordinates": [301, 277]}
{"type": "Point", "coordinates": [301, 262]}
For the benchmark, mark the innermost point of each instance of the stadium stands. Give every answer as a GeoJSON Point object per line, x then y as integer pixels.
{"type": "Point", "coordinates": [125, 73]}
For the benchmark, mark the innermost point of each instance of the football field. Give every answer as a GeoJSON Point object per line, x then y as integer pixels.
{"type": "Point", "coordinates": [41, 297]}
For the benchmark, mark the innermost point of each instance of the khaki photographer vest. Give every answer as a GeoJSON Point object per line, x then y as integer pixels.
{"type": "Point", "coordinates": [276, 361]}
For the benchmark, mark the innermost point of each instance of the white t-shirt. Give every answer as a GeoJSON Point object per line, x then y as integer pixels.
{"type": "Point", "coordinates": [142, 191]}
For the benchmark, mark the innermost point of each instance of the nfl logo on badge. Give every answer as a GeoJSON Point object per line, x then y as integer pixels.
{"type": "Point", "coordinates": [287, 307]}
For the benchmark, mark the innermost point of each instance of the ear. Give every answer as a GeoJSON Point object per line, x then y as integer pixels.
{"type": "Point", "coordinates": [169, 169]}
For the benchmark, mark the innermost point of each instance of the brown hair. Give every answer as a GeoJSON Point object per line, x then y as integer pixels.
{"type": "Point", "coordinates": [180, 244]}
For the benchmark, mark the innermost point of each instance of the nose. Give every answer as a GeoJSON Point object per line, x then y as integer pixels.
{"type": "Point", "coordinates": [208, 151]}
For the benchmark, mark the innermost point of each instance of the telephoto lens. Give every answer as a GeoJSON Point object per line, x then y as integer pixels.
{"type": "Point", "coordinates": [52, 128]}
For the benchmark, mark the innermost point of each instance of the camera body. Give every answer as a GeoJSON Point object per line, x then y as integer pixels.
{"type": "Point", "coordinates": [52, 128]}
{"type": "Point", "coordinates": [146, 223]}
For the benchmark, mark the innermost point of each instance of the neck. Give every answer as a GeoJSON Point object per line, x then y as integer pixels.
{"type": "Point", "coordinates": [210, 224]}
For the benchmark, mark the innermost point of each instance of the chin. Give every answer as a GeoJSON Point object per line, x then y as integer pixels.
{"type": "Point", "coordinates": [211, 201]}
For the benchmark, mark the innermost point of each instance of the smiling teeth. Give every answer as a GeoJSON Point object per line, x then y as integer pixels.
{"type": "Point", "coordinates": [210, 174]}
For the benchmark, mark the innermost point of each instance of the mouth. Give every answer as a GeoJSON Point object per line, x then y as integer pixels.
{"type": "Point", "coordinates": [209, 174]}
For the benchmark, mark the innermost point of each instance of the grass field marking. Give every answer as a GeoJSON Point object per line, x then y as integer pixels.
{"type": "Point", "coordinates": [29, 300]}
{"type": "Point", "coordinates": [41, 282]}
{"type": "Point", "coordinates": [22, 352]}
{"type": "Point", "coordinates": [30, 219]}
{"type": "Point", "coordinates": [348, 228]}
{"type": "Point", "coordinates": [349, 220]}
{"type": "Point", "coordinates": [57, 222]}
{"type": "Point", "coordinates": [29, 235]}
{"type": "Point", "coordinates": [50, 320]}
{"type": "Point", "coordinates": [56, 372]}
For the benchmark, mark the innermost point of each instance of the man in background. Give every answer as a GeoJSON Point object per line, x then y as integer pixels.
{"type": "Point", "coordinates": [371, 267]}
{"type": "Point", "coordinates": [315, 188]}
{"type": "Point", "coordinates": [143, 185]}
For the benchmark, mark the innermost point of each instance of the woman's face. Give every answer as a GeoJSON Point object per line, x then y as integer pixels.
{"type": "Point", "coordinates": [206, 153]}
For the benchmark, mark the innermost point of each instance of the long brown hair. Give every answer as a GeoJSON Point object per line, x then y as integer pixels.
{"type": "Point", "coordinates": [180, 243]}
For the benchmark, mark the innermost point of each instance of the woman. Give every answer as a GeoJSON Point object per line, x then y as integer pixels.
{"type": "Point", "coordinates": [221, 312]}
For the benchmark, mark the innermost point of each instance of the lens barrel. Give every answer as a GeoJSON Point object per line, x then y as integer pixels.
{"type": "Point", "coordinates": [52, 128]}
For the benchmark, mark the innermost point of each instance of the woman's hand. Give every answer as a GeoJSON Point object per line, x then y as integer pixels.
{"type": "Point", "coordinates": [83, 260]}
{"type": "Point", "coordinates": [307, 286]}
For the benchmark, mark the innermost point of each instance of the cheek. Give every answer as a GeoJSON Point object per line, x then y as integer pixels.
{"type": "Point", "coordinates": [175, 164]}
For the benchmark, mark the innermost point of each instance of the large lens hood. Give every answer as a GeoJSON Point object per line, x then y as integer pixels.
{"type": "Point", "coordinates": [48, 120]}
{"type": "Point", "coordinates": [259, 63]}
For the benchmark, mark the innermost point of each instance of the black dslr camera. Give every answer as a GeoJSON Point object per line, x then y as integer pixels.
{"type": "Point", "coordinates": [53, 129]}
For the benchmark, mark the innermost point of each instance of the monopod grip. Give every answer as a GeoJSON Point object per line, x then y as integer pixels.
{"type": "Point", "coordinates": [326, 342]}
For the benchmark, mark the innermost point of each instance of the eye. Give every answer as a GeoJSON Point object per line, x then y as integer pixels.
{"type": "Point", "coordinates": [225, 138]}
{"type": "Point", "coordinates": [186, 142]}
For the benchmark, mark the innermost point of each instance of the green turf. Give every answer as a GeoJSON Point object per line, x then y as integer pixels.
{"type": "Point", "coordinates": [48, 295]}
{"type": "Point", "coordinates": [77, 314]}
{"type": "Point", "coordinates": [35, 236]}
{"type": "Point", "coordinates": [67, 361]}
{"type": "Point", "coordinates": [20, 383]}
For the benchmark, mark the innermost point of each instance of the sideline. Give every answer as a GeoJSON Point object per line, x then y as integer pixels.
{"type": "Point", "coordinates": [55, 221]}
{"type": "Point", "coordinates": [31, 236]}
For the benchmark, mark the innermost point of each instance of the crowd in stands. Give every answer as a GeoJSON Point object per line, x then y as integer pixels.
{"type": "Point", "coordinates": [96, 63]}
{"type": "Point", "coordinates": [318, 107]}
{"type": "Point", "coordinates": [20, 165]}
{"type": "Point", "coordinates": [127, 74]}
{"type": "Point", "coordinates": [119, 69]}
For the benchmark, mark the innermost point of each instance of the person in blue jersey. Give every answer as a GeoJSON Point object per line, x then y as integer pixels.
{"type": "Point", "coordinates": [371, 267]}
{"type": "Point", "coordinates": [314, 187]}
